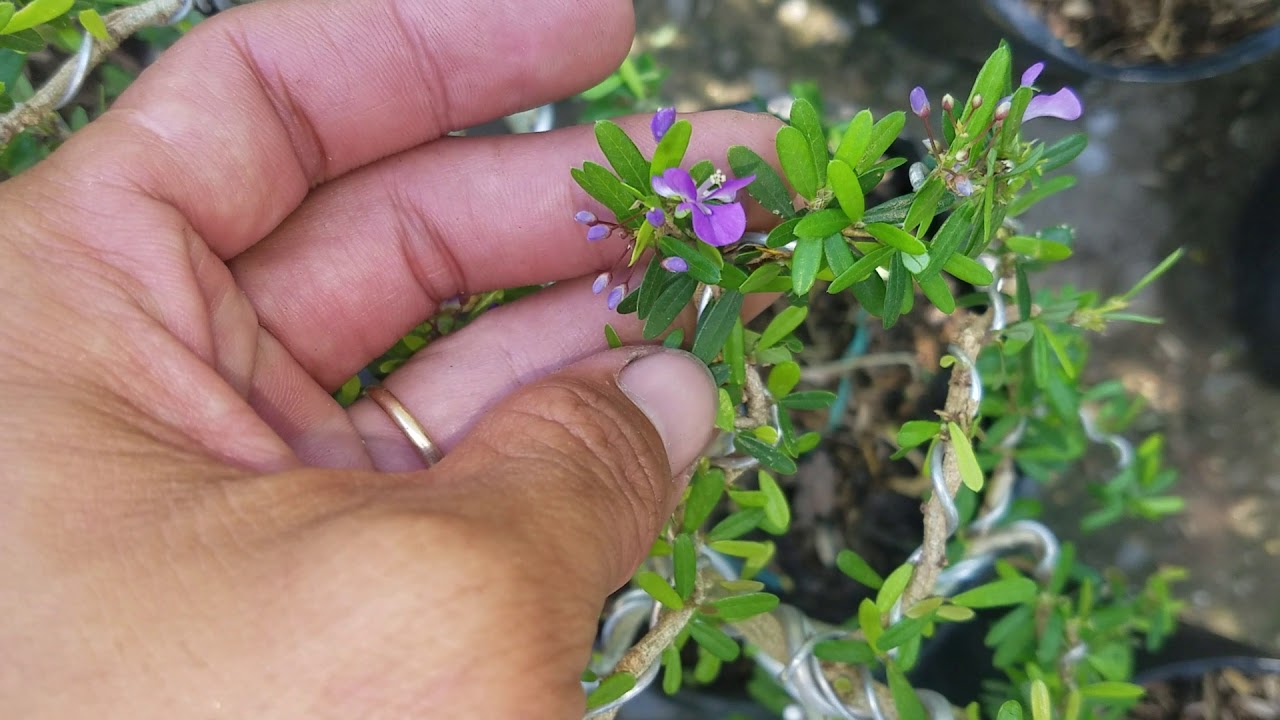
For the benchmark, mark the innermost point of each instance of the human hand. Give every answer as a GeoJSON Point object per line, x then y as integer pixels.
{"type": "Point", "coordinates": [192, 526]}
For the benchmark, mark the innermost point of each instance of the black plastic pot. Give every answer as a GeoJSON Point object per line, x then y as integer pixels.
{"type": "Point", "coordinates": [1016, 18]}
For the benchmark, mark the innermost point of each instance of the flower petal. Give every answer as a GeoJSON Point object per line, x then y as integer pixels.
{"type": "Point", "coordinates": [720, 225]}
{"type": "Point", "coordinates": [1032, 74]}
{"type": "Point", "coordinates": [675, 183]}
{"type": "Point", "coordinates": [728, 192]}
{"type": "Point", "coordinates": [1064, 105]}
{"type": "Point", "coordinates": [662, 122]}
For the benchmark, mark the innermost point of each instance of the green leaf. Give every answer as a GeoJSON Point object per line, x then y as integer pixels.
{"type": "Point", "coordinates": [851, 652]}
{"type": "Point", "coordinates": [716, 324]}
{"type": "Point", "coordinates": [671, 149]}
{"type": "Point", "coordinates": [917, 432]}
{"type": "Point", "coordinates": [991, 84]}
{"type": "Point", "coordinates": [705, 490]}
{"type": "Point", "coordinates": [901, 632]}
{"type": "Point", "coordinates": [760, 278]}
{"type": "Point", "coordinates": [891, 211]}
{"type": "Point", "coordinates": [672, 670]}
{"type": "Point", "coordinates": [768, 189]}
{"type": "Point", "coordinates": [852, 564]}
{"type": "Point", "coordinates": [822, 223]}
{"type": "Point", "coordinates": [864, 268]}
{"type": "Point", "coordinates": [970, 471]}
{"type": "Point", "coordinates": [37, 12]}
{"type": "Point", "coordinates": [725, 411]}
{"type": "Point", "coordinates": [741, 607]}
{"type": "Point", "coordinates": [1109, 690]}
{"type": "Point", "coordinates": [935, 288]}
{"type": "Point", "coordinates": [606, 188]}
{"type": "Point", "coordinates": [707, 668]}
{"type": "Point", "coordinates": [925, 206]}
{"type": "Point", "coordinates": [1064, 151]}
{"type": "Point", "coordinates": [782, 325]}
{"type": "Point", "coordinates": [904, 696]}
{"type": "Point", "coordinates": [782, 378]}
{"type": "Point", "coordinates": [6, 12]}
{"type": "Point", "coordinates": [806, 263]}
{"type": "Point", "coordinates": [736, 525]}
{"type": "Point", "coordinates": [915, 264]}
{"type": "Point", "coordinates": [898, 295]}
{"type": "Point", "coordinates": [804, 117]}
{"type": "Point", "coordinates": [623, 155]}
{"type": "Point", "coordinates": [1013, 591]}
{"type": "Point", "coordinates": [882, 136]}
{"type": "Point", "coordinates": [797, 162]}
{"type": "Point", "coordinates": [869, 619]}
{"type": "Point", "coordinates": [1054, 186]}
{"type": "Point", "coordinates": [611, 337]}
{"type": "Point", "coordinates": [673, 299]}
{"type": "Point", "coordinates": [701, 268]}
{"type": "Point", "coordinates": [714, 640]}
{"type": "Point", "coordinates": [897, 238]}
{"type": "Point", "coordinates": [27, 41]}
{"type": "Point", "coordinates": [610, 689]}
{"type": "Point", "coordinates": [776, 509]}
{"type": "Point", "coordinates": [954, 613]}
{"type": "Point", "coordinates": [839, 257]}
{"type": "Point", "coordinates": [853, 145]}
{"type": "Point", "coordinates": [808, 400]}
{"type": "Point", "coordinates": [870, 293]}
{"type": "Point", "coordinates": [700, 171]}
{"type": "Point", "coordinates": [657, 587]}
{"type": "Point", "coordinates": [1011, 710]}
{"type": "Point", "coordinates": [735, 354]}
{"type": "Point", "coordinates": [893, 586]}
{"type": "Point", "coordinates": [782, 234]}
{"type": "Point", "coordinates": [91, 21]}
{"type": "Point", "coordinates": [968, 270]}
{"type": "Point", "coordinates": [685, 565]}
{"type": "Point", "coordinates": [768, 455]}
{"type": "Point", "coordinates": [1037, 249]}
{"type": "Point", "coordinates": [651, 286]}
{"type": "Point", "coordinates": [1040, 705]}
{"type": "Point", "coordinates": [844, 183]}
{"type": "Point", "coordinates": [674, 339]}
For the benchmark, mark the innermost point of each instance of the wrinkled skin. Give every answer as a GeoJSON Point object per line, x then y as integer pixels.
{"type": "Point", "coordinates": [191, 526]}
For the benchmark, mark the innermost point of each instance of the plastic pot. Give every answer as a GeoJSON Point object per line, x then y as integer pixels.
{"type": "Point", "coordinates": [1018, 19]}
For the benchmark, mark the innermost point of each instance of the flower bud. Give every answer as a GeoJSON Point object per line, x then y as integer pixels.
{"type": "Point", "coordinates": [602, 281]}
{"type": "Point", "coordinates": [662, 122]}
{"type": "Point", "coordinates": [616, 295]}
{"type": "Point", "coordinates": [1002, 110]}
{"type": "Point", "coordinates": [976, 102]}
{"type": "Point", "coordinates": [948, 102]}
{"type": "Point", "coordinates": [656, 217]}
{"type": "Point", "coordinates": [598, 232]}
{"type": "Point", "coordinates": [585, 217]}
{"type": "Point", "coordinates": [674, 264]}
{"type": "Point", "coordinates": [919, 102]}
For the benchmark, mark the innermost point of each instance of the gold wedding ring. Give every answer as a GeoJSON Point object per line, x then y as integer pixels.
{"type": "Point", "coordinates": [407, 423]}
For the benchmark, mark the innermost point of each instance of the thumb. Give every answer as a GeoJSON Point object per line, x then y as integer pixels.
{"type": "Point", "coordinates": [587, 463]}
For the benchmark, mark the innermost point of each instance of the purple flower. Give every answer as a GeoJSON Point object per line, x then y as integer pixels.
{"type": "Point", "coordinates": [1032, 74]}
{"type": "Point", "coordinates": [1064, 105]}
{"type": "Point", "coordinates": [656, 217]}
{"type": "Point", "coordinates": [674, 264]}
{"type": "Point", "coordinates": [616, 295]}
{"type": "Point", "coordinates": [662, 122]}
{"type": "Point", "coordinates": [585, 217]}
{"type": "Point", "coordinates": [920, 102]}
{"type": "Point", "coordinates": [598, 232]}
{"type": "Point", "coordinates": [717, 219]}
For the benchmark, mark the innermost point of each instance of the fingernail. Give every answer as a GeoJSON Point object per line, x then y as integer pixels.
{"type": "Point", "coordinates": [675, 390]}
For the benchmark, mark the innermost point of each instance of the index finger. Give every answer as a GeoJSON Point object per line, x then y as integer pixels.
{"type": "Point", "coordinates": [236, 122]}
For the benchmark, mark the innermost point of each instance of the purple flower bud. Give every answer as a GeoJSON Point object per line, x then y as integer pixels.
{"type": "Point", "coordinates": [674, 264]}
{"type": "Point", "coordinates": [616, 295]}
{"type": "Point", "coordinates": [1032, 74]}
{"type": "Point", "coordinates": [976, 102]}
{"type": "Point", "coordinates": [964, 186]}
{"type": "Point", "coordinates": [656, 217]}
{"type": "Point", "coordinates": [920, 102]}
{"type": "Point", "coordinates": [1002, 110]}
{"type": "Point", "coordinates": [662, 122]}
{"type": "Point", "coordinates": [602, 281]}
{"type": "Point", "coordinates": [598, 232]}
{"type": "Point", "coordinates": [948, 102]}
{"type": "Point", "coordinates": [585, 217]}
